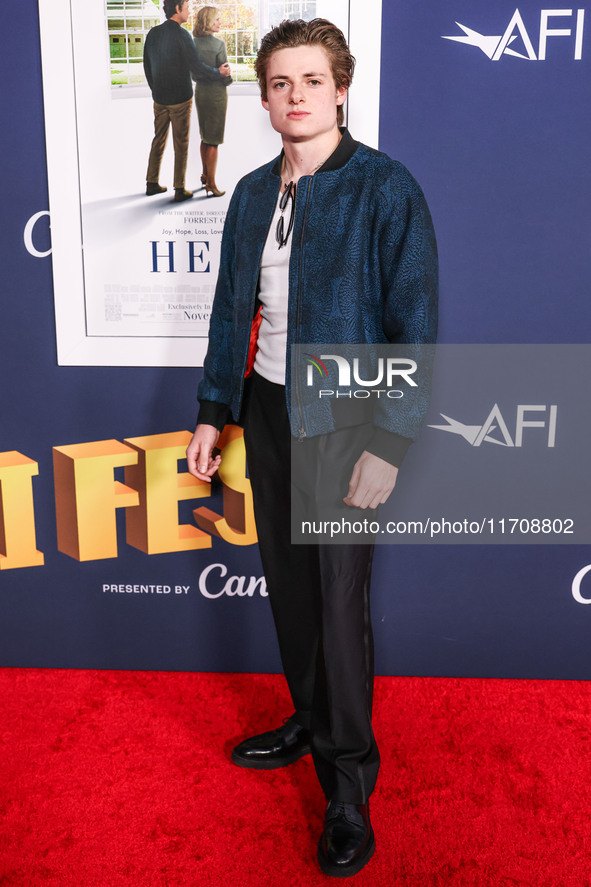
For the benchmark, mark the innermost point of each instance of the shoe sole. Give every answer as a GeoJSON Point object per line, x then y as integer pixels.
{"type": "Point", "coordinates": [261, 764]}
{"type": "Point", "coordinates": [346, 871]}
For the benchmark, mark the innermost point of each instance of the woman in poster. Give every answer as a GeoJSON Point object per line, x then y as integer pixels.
{"type": "Point", "coordinates": [211, 99]}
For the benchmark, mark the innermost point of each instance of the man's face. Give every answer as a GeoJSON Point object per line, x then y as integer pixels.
{"type": "Point", "coordinates": [302, 97]}
{"type": "Point", "coordinates": [183, 10]}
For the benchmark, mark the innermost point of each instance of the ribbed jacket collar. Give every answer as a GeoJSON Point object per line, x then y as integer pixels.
{"type": "Point", "coordinates": [339, 157]}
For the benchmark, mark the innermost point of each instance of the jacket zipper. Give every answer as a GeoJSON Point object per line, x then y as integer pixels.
{"type": "Point", "coordinates": [302, 429]}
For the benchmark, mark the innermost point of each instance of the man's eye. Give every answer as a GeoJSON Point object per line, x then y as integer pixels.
{"type": "Point", "coordinates": [280, 84]}
{"type": "Point", "coordinates": [314, 82]}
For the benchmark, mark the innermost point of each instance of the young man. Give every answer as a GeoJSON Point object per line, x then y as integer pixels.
{"type": "Point", "coordinates": [170, 61]}
{"type": "Point", "coordinates": [349, 257]}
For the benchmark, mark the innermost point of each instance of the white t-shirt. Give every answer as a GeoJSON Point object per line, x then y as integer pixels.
{"type": "Point", "coordinates": [273, 293]}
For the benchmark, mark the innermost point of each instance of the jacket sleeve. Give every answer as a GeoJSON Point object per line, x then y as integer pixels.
{"type": "Point", "coordinates": [220, 59]}
{"type": "Point", "coordinates": [147, 62]}
{"type": "Point", "coordinates": [409, 269]}
{"type": "Point", "coordinates": [199, 70]}
{"type": "Point", "coordinates": [215, 389]}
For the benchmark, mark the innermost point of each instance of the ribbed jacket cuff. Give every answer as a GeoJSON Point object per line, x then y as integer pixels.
{"type": "Point", "coordinates": [388, 445]}
{"type": "Point", "coordinates": [213, 413]}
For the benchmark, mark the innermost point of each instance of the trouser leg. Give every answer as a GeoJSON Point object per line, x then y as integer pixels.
{"type": "Point", "coordinates": [344, 747]}
{"type": "Point", "coordinates": [180, 116]}
{"type": "Point", "coordinates": [291, 572]}
{"type": "Point", "coordinates": [320, 601]}
{"type": "Point", "coordinates": [161, 124]}
{"type": "Point", "coordinates": [343, 744]}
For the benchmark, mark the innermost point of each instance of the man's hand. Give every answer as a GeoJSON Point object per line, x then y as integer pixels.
{"type": "Point", "coordinates": [371, 482]}
{"type": "Point", "coordinates": [225, 69]}
{"type": "Point", "coordinates": [199, 453]}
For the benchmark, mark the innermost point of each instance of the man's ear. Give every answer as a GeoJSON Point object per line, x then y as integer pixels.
{"type": "Point", "coordinates": [265, 103]}
{"type": "Point", "coordinates": [342, 94]}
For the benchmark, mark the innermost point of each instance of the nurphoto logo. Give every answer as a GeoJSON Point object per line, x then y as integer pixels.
{"type": "Point", "coordinates": [385, 371]}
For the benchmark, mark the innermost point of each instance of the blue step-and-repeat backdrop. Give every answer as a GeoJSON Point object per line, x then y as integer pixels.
{"type": "Point", "coordinates": [109, 560]}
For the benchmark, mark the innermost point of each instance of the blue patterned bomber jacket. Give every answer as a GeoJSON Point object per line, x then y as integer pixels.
{"type": "Point", "coordinates": [363, 270]}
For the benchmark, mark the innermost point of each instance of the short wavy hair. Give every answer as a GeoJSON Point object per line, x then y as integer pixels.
{"type": "Point", "coordinates": [205, 19]}
{"type": "Point", "coordinates": [169, 7]}
{"type": "Point", "coordinates": [318, 32]}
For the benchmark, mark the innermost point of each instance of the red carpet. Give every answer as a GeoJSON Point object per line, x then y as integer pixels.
{"type": "Point", "coordinates": [123, 778]}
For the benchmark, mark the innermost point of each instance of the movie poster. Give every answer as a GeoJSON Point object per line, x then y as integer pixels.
{"type": "Point", "coordinates": [134, 275]}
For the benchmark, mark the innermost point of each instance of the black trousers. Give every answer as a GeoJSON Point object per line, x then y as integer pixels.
{"type": "Point", "coordinates": [319, 596]}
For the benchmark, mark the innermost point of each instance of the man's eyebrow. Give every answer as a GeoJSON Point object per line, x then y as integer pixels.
{"type": "Point", "coordinates": [310, 74]}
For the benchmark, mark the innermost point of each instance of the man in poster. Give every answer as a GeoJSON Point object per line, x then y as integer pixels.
{"type": "Point", "coordinates": [330, 242]}
{"type": "Point", "coordinates": [170, 63]}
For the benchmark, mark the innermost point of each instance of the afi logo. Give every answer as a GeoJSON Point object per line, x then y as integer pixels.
{"type": "Point", "coordinates": [494, 428]}
{"type": "Point", "coordinates": [496, 46]}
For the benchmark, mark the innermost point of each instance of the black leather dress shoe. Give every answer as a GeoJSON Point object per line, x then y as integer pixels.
{"type": "Point", "coordinates": [276, 748]}
{"type": "Point", "coordinates": [347, 842]}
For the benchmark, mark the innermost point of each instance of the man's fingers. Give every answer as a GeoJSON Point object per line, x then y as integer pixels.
{"type": "Point", "coordinates": [206, 463]}
{"type": "Point", "coordinates": [211, 466]}
{"type": "Point", "coordinates": [352, 485]}
{"type": "Point", "coordinates": [206, 473]}
{"type": "Point", "coordinates": [200, 459]}
{"type": "Point", "coordinates": [372, 481]}
{"type": "Point", "coordinates": [197, 458]}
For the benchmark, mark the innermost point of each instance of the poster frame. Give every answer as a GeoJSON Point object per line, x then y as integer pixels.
{"type": "Point", "coordinates": [75, 346]}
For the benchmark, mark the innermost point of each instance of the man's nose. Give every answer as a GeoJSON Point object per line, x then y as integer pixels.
{"type": "Point", "coordinates": [297, 94]}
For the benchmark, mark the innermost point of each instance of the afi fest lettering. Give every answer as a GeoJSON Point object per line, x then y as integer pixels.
{"type": "Point", "coordinates": [87, 499]}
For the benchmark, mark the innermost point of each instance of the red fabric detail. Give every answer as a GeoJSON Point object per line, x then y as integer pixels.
{"type": "Point", "coordinates": [253, 347]}
{"type": "Point", "coordinates": [119, 778]}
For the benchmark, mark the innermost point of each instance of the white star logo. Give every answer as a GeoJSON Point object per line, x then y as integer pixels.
{"type": "Point", "coordinates": [498, 44]}
{"type": "Point", "coordinates": [484, 42]}
{"type": "Point", "coordinates": [477, 434]}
